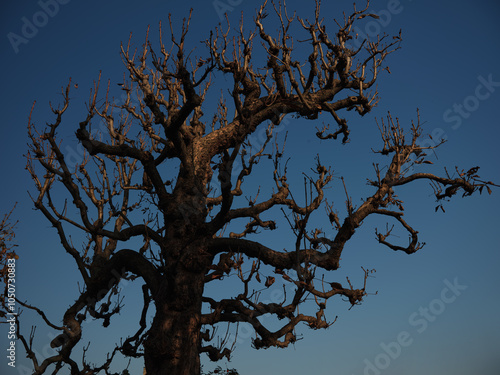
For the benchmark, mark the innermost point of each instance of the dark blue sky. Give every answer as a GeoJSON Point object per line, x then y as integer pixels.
{"type": "Point", "coordinates": [441, 304]}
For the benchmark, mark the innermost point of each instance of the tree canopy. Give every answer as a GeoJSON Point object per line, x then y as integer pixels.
{"type": "Point", "coordinates": [162, 182]}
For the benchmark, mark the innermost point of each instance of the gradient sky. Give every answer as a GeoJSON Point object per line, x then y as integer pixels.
{"type": "Point", "coordinates": [449, 52]}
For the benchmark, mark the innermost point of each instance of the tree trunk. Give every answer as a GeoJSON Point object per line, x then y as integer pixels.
{"type": "Point", "coordinates": [173, 344]}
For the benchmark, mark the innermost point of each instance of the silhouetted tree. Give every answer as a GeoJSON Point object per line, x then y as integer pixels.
{"type": "Point", "coordinates": [162, 172]}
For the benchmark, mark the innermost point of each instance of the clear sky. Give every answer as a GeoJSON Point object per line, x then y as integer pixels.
{"type": "Point", "coordinates": [436, 312]}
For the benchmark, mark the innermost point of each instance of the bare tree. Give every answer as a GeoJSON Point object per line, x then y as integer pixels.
{"type": "Point", "coordinates": [163, 173]}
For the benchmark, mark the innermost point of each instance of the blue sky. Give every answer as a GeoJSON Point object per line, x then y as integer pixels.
{"type": "Point", "coordinates": [447, 67]}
